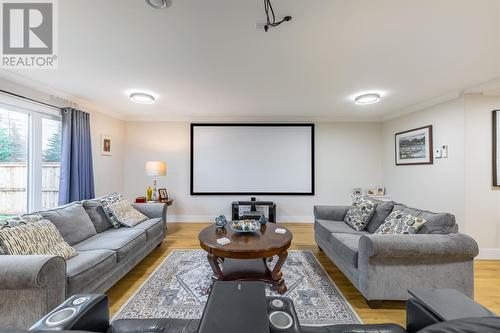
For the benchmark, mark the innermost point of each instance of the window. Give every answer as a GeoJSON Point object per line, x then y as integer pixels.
{"type": "Point", "coordinates": [30, 156]}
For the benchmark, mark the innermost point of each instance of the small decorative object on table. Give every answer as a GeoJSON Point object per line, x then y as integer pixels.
{"type": "Point", "coordinates": [220, 221]}
{"type": "Point", "coordinates": [245, 226]}
{"type": "Point", "coordinates": [140, 200]}
{"type": "Point", "coordinates": [162, 193]}
{"type": "Point", "coordinates": [262, 219]}
{"type": "Point", "coordinates": [149, 193]}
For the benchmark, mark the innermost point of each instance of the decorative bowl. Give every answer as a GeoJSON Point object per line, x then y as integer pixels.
{"type": "Point", "coordinates": [245, 226]}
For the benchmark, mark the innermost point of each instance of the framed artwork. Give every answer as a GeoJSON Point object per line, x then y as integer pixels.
{"type": "Point", "coordinates": [380, 190]}
{"type": "Point", "coordinates": [496, 148]}
{"type": "Point", "coordinates": [106, 145]}
{"type": "Point", "coordinates": [371, 191]}
{"type": "Point", "coordinates": [162, 194]}
{"type": "Point", "coordinates": [414, 147]}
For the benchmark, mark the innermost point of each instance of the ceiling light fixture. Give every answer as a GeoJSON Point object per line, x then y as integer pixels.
{"type": "Point", "coordinates": [366, 99]}
{"type": "Point", "coordinates": [142, 98]}
{"type": "Point", "coordinates": [159, 4]}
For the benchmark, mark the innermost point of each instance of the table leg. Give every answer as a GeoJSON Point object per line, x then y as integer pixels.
{"type": "Point", "coordinates": [277, 274]}
{"type": "Point", "coordinates": [214, 262]}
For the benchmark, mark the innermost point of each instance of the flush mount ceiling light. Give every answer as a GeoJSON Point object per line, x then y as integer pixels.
{"type": "Point", "coordinates": [366, 99]}
{"type": "Point", "coordinates": [142, 98]}
{"type": "Point", "coordinates": [159, 4]}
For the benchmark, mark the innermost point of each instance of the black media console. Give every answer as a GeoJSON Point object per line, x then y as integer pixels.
{"type": "Point", "coordinates": [253, 213]}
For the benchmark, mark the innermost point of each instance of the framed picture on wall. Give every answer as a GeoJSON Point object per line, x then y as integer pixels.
{"type": "Point", "coordinates": [106, 145]}
{"type": "Point", "coordinates": [496, 148]}
{"type": "Point", "coordinates": [414, 147]}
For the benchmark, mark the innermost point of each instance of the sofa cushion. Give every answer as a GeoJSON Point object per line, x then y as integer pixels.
{"type": "Point", "coordinates": [97, 215]}
{"type": "Point", "coordinates": [400, 223]}
{"type": "Point", "coordinates": [86, 266]}
{"type": "Point", "coordinates": [437, 223]}
{"type": "Point", "coordinates": [105, 203]}
{"type": "Point", "coordinates": [360, 213]}
{"type": "Point", "coordinates": [326, 227]}
{"type": "Point", "coordinates": [72, 221]}
{"type": "Point", "coordinates": [126, 214]}
{"type": "Point", "coordinates": [152, 227]}
{"type": "Point", "coordinates": [346, 246]}
{"type": "Point", "coordinates": [382, 210]}
{"type": "Point", "coordinates": [124, 241]}
{"type": "Point", "coordinates": [37, 238]}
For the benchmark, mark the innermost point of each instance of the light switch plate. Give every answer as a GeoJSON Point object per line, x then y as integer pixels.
{"type": "Point", "coordinates": [437, 153]}
{"type": "Point", "coordinates": [444, 150]}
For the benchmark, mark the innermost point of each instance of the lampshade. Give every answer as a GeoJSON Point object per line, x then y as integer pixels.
{"type": "Point", "coordinates": [156, 168]}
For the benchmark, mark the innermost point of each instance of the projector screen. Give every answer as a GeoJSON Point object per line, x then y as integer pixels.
{"type": "Point", "coordinates": [274, 159]}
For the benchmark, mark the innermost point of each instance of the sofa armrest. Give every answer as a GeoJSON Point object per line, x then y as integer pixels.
{"type": "Point", "coordinates": [330, 213]}
{"type": "Point", "coordinates": [152, 209]}
{"type": "Point", "coordinates": [24, 272]}
{"type": "Point", "coordinates": [450, 246]}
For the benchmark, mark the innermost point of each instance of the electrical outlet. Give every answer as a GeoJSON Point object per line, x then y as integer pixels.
{"type": "Point", "coordinates": [444, 149]}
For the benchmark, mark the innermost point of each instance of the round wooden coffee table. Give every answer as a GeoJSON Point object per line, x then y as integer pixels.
{"type": "Point", "coordinates": [247, 257]}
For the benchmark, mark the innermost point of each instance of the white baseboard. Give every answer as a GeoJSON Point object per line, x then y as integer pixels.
{"type": "Point", "coordinates": [210, 219]}
{"type": "Point", "coordinates": [492, 254]}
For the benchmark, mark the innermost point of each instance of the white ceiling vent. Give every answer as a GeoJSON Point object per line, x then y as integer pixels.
{"type": "Point", "coordinates": [159, 4]}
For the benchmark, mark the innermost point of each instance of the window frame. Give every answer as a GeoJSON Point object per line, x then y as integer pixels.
{"type": "Point", "coordinates": [36, 113]}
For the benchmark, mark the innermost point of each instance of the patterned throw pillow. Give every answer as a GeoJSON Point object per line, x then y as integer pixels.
{"type": "Point", "coordinates": [23, 219]}
{"type": "Point", "coordinates": [106, 202]}
{"type": "Point", "coordinates": [360, 213]}
{"type": "Point", "coordinates": [37, 238]}
{"type": "Point", "coordinates": [123, 212]}
{"type": "Point", "coordinates": [400, 223]}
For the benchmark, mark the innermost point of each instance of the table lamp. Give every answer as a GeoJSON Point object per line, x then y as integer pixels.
{"type": "Point", "coordinates": [155, 169]}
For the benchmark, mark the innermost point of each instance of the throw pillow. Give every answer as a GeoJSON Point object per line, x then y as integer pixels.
{"type": "Point", "coordinates": [37, 238]}
{"type": "Point", "coordinates": [105, 203]}
{"type": "Point", "coordinates": [400, 223]}
{"type": "Point", "coordinates": [97, 215]}
{"type": "Point", "coordinates": [72, 221]}
{"type": "Point", "coordinates": [360, 213]}
{"type": "Point", "coordinates": [124, 213]}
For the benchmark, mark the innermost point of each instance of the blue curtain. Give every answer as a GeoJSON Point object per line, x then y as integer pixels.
{"type": "Point", "coordinates": [77, 174]}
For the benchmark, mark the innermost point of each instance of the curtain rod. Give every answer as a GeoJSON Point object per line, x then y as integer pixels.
{"type": "Point", "coordinates": [29, 99]}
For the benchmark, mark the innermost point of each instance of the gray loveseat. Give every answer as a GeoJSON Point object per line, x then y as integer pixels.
{"type": "Point", "coordinates": [384, 267]}
{"type": "Point", "coordinates": [30, 286]}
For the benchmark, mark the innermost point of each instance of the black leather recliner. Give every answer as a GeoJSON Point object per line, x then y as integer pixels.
{"type": "Point", "coordinates": [89, 313]}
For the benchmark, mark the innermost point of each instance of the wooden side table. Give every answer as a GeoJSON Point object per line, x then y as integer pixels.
{"type": "Point", "coordinates": [168, 202]}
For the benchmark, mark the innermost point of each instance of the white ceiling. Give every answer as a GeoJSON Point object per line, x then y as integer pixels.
{"type": "Point", "coordinates": [205, 59]}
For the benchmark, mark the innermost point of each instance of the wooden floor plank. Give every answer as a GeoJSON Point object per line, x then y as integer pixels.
{"type": "Point", "coordinates": [185, 236]}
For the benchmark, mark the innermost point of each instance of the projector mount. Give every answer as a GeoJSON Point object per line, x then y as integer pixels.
{"type": "Point", "coordinates": [271, 17]}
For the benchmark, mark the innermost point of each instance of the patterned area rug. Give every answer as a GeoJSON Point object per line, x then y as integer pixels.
{"type": "Point", "coordinates": [180, 286]}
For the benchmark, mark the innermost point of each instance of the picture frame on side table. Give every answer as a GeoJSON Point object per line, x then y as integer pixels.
{"type": "Point", "coordinates": [414, 147]}
{"type": "Point", "coordinates": [162, 194]}
{"type": "Point", "coordinates": [106, 147]}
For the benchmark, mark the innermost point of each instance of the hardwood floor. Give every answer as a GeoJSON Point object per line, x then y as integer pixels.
{"type": "Point", "coordinates": [185, 236]}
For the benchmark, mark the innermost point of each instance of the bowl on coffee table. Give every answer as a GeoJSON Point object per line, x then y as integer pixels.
{"type": "Point", "coordinates": [245, 226]}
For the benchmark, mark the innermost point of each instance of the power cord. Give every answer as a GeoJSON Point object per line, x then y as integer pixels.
{"type": "Point", "coordinates": [271, 23]}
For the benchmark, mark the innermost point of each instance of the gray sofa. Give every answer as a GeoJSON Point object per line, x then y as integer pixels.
{"type": "Point", "coordinates": [384, 267]}
{"type": "Point", "coordinates": [30, 286]}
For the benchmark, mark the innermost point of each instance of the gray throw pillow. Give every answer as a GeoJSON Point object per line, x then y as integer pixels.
{"type": "Point", "coordinates": [72, 221]}
{"type": "Point", "coordinates": [97, 215]}
{"type": "Point", "coordinates": [360, 213]}
{"type": "Point", "coordinates": [400, 223]}
{"type": "Point", "coordinates": [382, 210]}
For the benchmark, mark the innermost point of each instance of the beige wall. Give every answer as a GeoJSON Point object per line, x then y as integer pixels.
{"type": "Point", "coordinates": [482, 201]}
{"type": "Point", "coordinates": [347, 156]}
{"type": "Point", "coordinates": [437, 187]}
{"type": "Point", "coordinates": [461, 184]}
